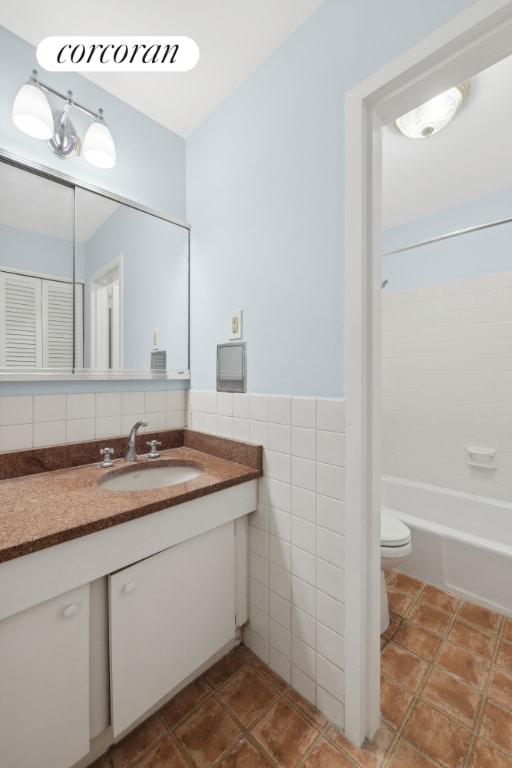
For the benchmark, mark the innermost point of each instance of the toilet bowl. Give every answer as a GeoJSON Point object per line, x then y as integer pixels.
{"type": "Point", "coordinates": [395, 546]}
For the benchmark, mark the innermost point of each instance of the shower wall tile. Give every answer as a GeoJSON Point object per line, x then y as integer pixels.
{"type": "Point", "coordinates": [447, 383]}
{"type": "Point", "coordinates": [296, 560]}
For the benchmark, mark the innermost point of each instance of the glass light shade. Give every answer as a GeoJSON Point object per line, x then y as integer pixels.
{"type": "Point", "coordinates": [31, 112]}
{"type": "Point", "coordinates": [431, 117]}
{"type": "Point", "coordinates": [99, 148]}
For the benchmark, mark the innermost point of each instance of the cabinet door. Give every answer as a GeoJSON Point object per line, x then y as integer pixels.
{"type": "Point", "coordinates": [44, 683]}
{"type": "Point", "coordinates": [168, 615]}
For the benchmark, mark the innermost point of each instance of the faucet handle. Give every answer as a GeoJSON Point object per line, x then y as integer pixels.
{"type": "Point", "coordinates": [107, 457]}
{"type": "Point", "coordinates": [153, 451]}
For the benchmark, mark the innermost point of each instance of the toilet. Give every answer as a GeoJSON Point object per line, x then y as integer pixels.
{"type": "Point", "coordinates": [395, 546]}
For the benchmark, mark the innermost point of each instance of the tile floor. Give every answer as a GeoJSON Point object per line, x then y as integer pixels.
{"type": "Point", "coordinates": [446, 696]}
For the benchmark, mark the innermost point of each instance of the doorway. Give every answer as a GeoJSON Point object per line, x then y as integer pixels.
{"type": "Point", "coordinates": [474, 40]}
{"type": "Point", "coordinates": [105, 298]}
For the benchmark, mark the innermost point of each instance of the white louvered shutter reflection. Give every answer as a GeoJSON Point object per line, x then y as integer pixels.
{"type": "Point", "coordinates": [36, 322]}
{"type": "Point", "coordinates": [20, 321]}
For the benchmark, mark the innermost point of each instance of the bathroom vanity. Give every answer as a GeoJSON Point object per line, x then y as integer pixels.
{"type": "Point", "coordinates": [111, 601]}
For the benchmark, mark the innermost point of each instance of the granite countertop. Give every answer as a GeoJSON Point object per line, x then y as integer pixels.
{"type": "Point", "coordinates": [41, 509]}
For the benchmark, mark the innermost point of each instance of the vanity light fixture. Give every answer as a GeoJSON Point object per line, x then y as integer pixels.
{"type": "Point", "coordinates": [32, 114]}
{"type": "Point", "coordinates": [431, 117]}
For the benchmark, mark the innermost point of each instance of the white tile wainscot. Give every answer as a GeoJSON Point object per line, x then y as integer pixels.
{"type": "Point", "coordinates": [297, 545]}
{"type": "Point", "coordinates": [34, 421]}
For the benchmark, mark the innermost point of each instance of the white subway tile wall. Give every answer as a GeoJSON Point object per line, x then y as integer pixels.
{"type": "Point", "coordinates": [34, 421]}
{"type": "Point", "coordinates": [447, 383]}
{"type": "Point", "coordinates": [297, 553]}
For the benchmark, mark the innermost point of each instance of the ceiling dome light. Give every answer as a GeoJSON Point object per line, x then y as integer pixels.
{"type": "Point", "coordinates": [431, 117]}
{"type": "Point", "coordinates": [99, 148]}
{"type": "Point", "coordinates": [31, 112]}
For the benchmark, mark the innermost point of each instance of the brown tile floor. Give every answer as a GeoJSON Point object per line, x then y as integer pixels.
{"type": "Point", "coordinates": [446, 696]}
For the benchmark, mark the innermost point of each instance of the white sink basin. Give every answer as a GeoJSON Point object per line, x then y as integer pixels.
{"type": "Point", "coordinates": [147, 477]}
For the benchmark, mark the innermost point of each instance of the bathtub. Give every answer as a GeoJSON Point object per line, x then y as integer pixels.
{"type": "Point", "coordinates": [460, 543]}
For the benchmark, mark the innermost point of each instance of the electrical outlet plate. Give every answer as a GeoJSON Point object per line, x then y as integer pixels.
{"type": "Point", "coordinates": [235, 325]}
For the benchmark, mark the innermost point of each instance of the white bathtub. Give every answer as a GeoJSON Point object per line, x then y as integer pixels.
{"type": "Point", "coordinates": [460, 543]}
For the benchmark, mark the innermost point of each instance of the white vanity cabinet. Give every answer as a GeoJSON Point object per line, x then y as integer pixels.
{"type": "Point", "coordinates": [44, 683]}
{"type": "Point", "coordinates": [169, 613]}
{"type": "Point", "coordinates": [165, 587]}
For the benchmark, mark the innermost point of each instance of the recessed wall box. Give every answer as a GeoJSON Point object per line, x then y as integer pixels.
{"type": "Point", "coordinates": [231, 367]}
{"type": "Point", "coordinates": [159, 360]}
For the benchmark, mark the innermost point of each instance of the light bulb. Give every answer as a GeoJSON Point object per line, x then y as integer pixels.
{"type": "Point", "coordinates": [431, 117]}
{"type": "Point", "coordinates": [99, 148]}
{"type": "Point", "coordinates": [31, 112]}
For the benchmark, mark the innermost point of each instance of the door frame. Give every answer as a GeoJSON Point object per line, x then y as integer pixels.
{"type": "Point", "coordinates": [101, 278]}
{"type": "Point", "coordinates": [474, 40]}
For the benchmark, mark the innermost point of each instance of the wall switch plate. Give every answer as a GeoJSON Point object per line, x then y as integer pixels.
{"type": "Point", "coordinates": [235, 325]}
{"type": "Point", "coordinates": [155, 338]}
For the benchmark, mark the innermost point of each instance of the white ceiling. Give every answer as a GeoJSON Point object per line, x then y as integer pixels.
{"type": "Point", "coordinates": [469, 158]}
{"type": "Point", "coordinates": [234, 38]}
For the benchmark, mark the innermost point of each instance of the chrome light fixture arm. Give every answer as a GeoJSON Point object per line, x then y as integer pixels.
{"type": "Point", "coordinates": [58, 129]}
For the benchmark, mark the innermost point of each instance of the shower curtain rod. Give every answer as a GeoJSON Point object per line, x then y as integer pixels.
{"type": "Point", "coordinates": [456, 233]}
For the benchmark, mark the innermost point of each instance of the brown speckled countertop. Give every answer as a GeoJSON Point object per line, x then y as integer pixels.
{"type": "Point", "coordinates": [41, 509]}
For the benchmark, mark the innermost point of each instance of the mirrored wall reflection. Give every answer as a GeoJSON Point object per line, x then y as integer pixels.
{"type": "Point", "coordinates": [88, 283]}
{"type": "Point", "coordinates": [36, 272]}
{"type": "Point", "coordinates": [134, 270]}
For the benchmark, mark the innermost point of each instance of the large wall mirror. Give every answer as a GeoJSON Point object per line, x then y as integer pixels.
{"type": "Point", "coordinates": [91, 285]}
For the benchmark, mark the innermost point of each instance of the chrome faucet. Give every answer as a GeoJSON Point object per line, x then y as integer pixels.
{"type": "Point", "coordinates": [131, 454]}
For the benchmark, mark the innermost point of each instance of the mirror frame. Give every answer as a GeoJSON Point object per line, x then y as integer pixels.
{"type": "Point", "coordinates": [81, 374]}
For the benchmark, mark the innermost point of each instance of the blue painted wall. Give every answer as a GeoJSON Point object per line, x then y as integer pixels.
{"type": "Point", "coordinates": [473, 254]}
{"type": "Point", "coordinates": [264, 187]}
{"type": "Point", "coordinates": [265, 195]}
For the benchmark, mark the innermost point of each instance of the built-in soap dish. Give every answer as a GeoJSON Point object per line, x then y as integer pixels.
{"type": "Point", "coordinates": [483, 458]}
